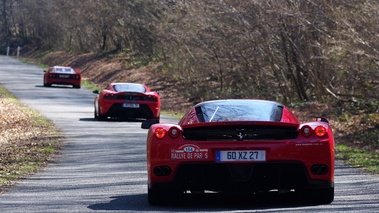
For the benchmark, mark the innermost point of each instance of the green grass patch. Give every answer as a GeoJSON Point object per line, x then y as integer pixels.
{"type": "Point", "coordinates": [90, 85]}
{"type": "Point", "coordinates": [4, 93]}
{"type": "Point", "coordinates": [172, 114]}
{"type": "Point", "coordinates": [369, 161]}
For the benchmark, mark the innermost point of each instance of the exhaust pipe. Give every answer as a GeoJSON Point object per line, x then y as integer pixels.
{"type": "Point", "coordinates": [319, 169]}
{"type": "Point", "coordinates": [162, 171]}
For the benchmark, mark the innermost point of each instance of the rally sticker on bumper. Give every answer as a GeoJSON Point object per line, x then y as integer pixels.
{"type": "Point", "coordinates": [189, 152]}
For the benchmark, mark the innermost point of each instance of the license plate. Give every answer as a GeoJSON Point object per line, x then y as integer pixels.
{"type": "Point", "coordinates": [130, 105]}
{"type": "Point", "coordinates": [240, 155]}
{"type": "Point", "coordinates": [64, 76]}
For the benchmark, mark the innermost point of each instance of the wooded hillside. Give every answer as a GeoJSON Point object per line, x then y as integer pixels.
{"type": "Point", "coordinates": [285, 50]}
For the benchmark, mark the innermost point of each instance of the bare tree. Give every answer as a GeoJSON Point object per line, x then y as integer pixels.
{"type": "Point", "coordinates": [289, 50]}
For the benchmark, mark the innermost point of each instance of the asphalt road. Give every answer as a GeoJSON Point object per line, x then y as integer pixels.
{"type": "Point", "coordinates": [102, 167]}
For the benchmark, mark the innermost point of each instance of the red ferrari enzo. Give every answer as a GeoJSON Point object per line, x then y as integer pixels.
{"type": "Point", "coordinates": [240, 146]}
{"type": "Point", "coordinates": [62, 75]}
{"type": "Point", "coordinates": [127, 100]}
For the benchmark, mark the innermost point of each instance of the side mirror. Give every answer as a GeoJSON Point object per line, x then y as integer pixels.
{"type": "Point", "coordinates": [148, 123]}
{"type": "Point", "coordinates": [45, 71]}
{"type": "Point", "coordinates": [96, 91]}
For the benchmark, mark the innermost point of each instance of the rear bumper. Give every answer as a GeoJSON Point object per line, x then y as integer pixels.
{"type": "Point", "coordinates": [62, 81]}
{"type": "Point", "coordinates": [242, 178]}
{"type": "Point", "coordinates": [144, 111]}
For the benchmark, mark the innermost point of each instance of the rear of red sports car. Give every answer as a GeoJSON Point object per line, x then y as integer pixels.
{"type": "Point", "coordinates": [127, 100]}
{"type": "Point", "coordinates": [240, 146]}
{"type": "Point", "coordinates": [62, 75]}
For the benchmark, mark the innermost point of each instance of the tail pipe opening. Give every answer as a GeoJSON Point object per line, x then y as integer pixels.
{"type": "Point", "coordinates": [319, 169]}
{"type": "Point", "coordinates": [162, 171]}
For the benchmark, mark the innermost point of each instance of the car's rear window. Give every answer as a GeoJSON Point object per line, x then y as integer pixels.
{"type": "Point", "coordinates": [239, 110]}
{"type": "Point", "coordinates": [129, 88]}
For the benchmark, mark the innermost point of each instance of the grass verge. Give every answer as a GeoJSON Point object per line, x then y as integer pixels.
{"type": "Point", "coordinates": [90, 85]}
{"type": "Point", "coordinates": [368, 161]}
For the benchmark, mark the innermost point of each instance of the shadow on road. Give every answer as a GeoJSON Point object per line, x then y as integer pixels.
{"type": "Point", "coordinates": [207, 201]}
{"type": "Point", "coordinates": [113, 120]}
{"type": "Point", "coordinates": [57, 86]}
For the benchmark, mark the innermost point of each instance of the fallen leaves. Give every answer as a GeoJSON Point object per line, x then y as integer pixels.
{"type": "Point", "coordinates": [26, 144]}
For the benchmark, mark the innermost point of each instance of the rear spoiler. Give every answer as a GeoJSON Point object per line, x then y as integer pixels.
{"type": "Point", "coordinates": [322, 119]}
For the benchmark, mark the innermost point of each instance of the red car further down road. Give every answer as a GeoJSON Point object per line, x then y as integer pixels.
{"type": "Point", "coordinates": [62, 75]}
{"type": "Point", "coordinates": [240, 146]}
{"type": "Point", "coordinates": [127, 101]}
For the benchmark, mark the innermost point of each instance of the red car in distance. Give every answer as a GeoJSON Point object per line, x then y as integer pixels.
{"type": "Point", "coordinates": [243, 147]}
{"type": "Point", "coordinates": [62, 75]}
{"type": "Point", "coordinates": [127, 101]}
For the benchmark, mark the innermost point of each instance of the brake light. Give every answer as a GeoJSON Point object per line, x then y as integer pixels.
{"type": "Point", "coordinates": [110, 96]}
{"type": "Point", "coordinates": [160, 132]}
{"type": "Point", "coordinates": [306, 131]}
{"type": "Point", "coordinates": [151, 98]}
{"type": "Point", "coordinates": [320, 131]}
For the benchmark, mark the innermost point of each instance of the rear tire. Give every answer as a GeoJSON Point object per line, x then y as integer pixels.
{"type": "Point", "coordinates": [99, 116]}
{"type": "Point", "coordinates": [162, 197]}
{"type": "Point", "coordinates": [154, 118]}
{"type": "Point", "coordinates": [319, 196]}
{"type": "Point", "coordinates": [102, 117]}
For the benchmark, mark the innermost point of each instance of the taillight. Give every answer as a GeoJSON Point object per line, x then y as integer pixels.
{"type": "Point", "coordinates": [306, 131]}
{"type": "Point", "coordinates": [160, 132]}
{"type": "Point", "coordinates": [174, 132]}
{"type": "Point", "coordinates": [320, 131]}
{"type": "Point", "coordinates": [151, 98]}
{"type": "Point", "coordinates": [110, 96]}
